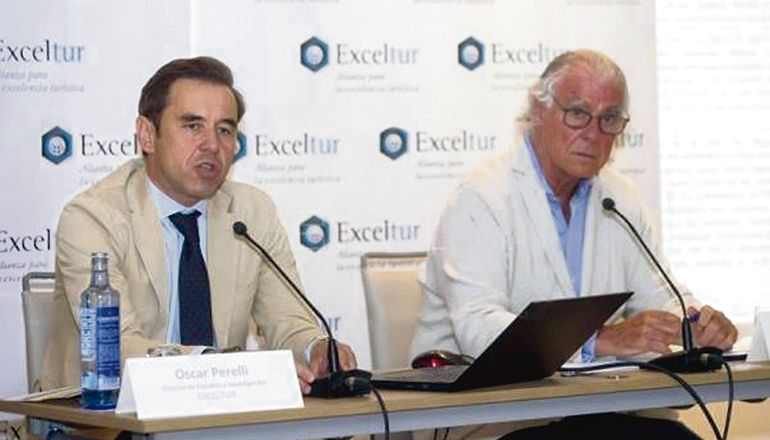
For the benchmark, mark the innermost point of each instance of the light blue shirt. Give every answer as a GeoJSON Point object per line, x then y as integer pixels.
{"type": "Point", "coordinates": [571, 233]}
{"type": "Point", "coordinates": [173, 241]}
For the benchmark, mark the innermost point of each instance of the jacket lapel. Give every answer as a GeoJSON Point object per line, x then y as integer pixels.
{"type": "Point", "coordinates": [589, 238]}
{"type": "Point", "coordinates": [540, 217]}
{"type": "Point", "coordinates": [148, 235]}
{"type": "Point", "coordinates": [222, 263]}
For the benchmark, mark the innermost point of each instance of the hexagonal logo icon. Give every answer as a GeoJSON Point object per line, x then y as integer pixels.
{"type": "Point", "coordinates": [394, 142]}
{"type": "Point", "coordinates": [241, 151]}
{"type": "Point", "coordinates": [314, 233]}
{"type": "Point", "coordinates": [470, 53]}
{"type": "Point", "coordinates": [314, 54]}
{"type": "Point", "coordinates": [57, 145]}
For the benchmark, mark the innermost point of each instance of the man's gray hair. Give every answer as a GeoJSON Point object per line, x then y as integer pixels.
{"type": "Point", "coordinates": [541, 93]}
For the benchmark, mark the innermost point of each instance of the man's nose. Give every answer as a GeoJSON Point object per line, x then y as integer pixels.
{"type": "Point", "coordinates": [210, 141]}
{"type": "Point", "coordinates": [592, 131]}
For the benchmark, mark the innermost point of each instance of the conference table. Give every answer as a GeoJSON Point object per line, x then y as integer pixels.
{"type": "Point", "coordinates": [554, 396]}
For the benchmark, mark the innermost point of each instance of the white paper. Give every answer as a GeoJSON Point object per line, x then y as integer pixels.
{"type": "Point", "coordinates": [177, 386]}
{"type": "Point", "coordinates": [569, 368]}
{"type": "Point", "coordinates": [42, 396]}
{"type": "Point", "coordinates": [759, 342]}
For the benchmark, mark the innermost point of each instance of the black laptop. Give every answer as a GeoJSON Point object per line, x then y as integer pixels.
{"type": "Point", "coordinates": [533, 346]}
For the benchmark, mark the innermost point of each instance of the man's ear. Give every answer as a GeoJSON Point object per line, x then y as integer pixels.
{"type": "Point", "coordinates": [145, 131]}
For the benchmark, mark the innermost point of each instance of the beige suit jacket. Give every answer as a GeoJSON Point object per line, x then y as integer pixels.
{"type": "Point", "coordinates": [118, 216]}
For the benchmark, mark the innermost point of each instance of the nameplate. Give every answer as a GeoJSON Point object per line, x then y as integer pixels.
{"type": "Point", "coordinates": [175, 386]}
{"type": "Point", "coordinates": [760, 340]}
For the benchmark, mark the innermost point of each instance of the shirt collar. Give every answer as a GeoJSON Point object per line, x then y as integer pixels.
{"type": "Point", "coordinates": [583, 186]}
{"type": "Point", "coordinates": [167, 206]}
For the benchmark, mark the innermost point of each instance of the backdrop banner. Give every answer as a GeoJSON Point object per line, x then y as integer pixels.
{"type": "Point", "coordinates": [361, 115]}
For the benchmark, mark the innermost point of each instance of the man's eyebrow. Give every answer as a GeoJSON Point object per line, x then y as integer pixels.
{"type": "Point", "coordinates": [617, 110]}
{"type": "Point", "coordinates": [231, 122]}
{"type": "Point", "coordinates": [190, 117]}
{"type": "Point", "coordinates": [582, 104]}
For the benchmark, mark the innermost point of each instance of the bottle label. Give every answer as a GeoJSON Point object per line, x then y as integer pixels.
{"type": "Point", "coordinates": [87, 334]}
{"type": "Point", "coordinates": [108, 348]}
{"type": "Point", "coordinates": [88, 346]}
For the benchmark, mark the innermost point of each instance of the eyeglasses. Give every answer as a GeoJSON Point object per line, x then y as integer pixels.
{"type": "Point", "coordinates": [609, 123]}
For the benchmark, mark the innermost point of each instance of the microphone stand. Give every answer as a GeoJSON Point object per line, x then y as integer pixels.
{"type": "Point", "coordinates": [338, 383]}
{"type": "Point", "coordinates": [690, 359]}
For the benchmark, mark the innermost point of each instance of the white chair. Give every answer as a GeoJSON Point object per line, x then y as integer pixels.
{"type": "Point", "coordinates": [393, 301]}
{"type": "Point", "coordinates": [42, 311]}
{"type": "Point", "coordinates": [41, 316]}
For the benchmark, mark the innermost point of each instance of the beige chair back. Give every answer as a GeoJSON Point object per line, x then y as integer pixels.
{"type": "Point", "coordinates": [41, 313]}
{"type": "Point", "coordinates": [393, 301]}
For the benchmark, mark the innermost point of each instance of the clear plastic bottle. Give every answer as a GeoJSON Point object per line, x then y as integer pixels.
{"type": "Point", "coordinates": [100, 338]}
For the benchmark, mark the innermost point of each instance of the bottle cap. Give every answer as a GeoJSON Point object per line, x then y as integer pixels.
{"type": "Point", "coordinates": [99, 261]}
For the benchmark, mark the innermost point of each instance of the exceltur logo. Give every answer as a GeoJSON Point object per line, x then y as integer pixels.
{"type": "Point", "coordinates": [20, 243]}
{"type": "Point", "coordinates": [539, 54]}
{"type": "Point", "coordinates": [46, 51]}
{"type": "Point", "coordinates": [379, 232]}
{"type": "Point", "coordinates": [241, 151]}
{"type": "Point", "coordinates": [314, 233]}
{"type": "Point", "coordinates": [315, 54]}
{"type": "Point", "coordinates": [394, 142]}
{"type": "Point", "coordinates": [58, 145]}
{"type": "Point", "coordinates": [470, 53]}
{"type": "Point", "coordinates": [306, 144]}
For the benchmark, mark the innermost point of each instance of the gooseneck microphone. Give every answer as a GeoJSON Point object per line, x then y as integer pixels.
{"type": "Point", "coordinates": [690, 359]}
{"type": "Point", "coordinates": [338, 383]}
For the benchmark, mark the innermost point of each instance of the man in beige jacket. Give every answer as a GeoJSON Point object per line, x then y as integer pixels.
{"type": "Point", "coordinates": [187, 127]}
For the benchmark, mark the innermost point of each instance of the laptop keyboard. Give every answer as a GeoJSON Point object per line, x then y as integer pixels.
{"type": "Point", "coordinates": [448, 373]}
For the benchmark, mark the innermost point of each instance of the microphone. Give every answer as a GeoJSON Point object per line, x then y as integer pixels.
{"type": "Point", "coordinates": [338, 383]}
{"type": "Point", "coordinates": [690, 359]}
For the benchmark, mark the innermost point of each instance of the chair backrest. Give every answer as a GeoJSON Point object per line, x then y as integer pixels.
{"type": "Point", "coordinates": [41, 312]}
{"type": "Point", "coordinates": [393, 301]}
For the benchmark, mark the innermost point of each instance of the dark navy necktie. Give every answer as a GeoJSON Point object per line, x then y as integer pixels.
{"type": "Point", "coordinates": [194, 293]}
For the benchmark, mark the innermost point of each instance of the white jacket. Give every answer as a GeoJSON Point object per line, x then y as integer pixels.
{"type": "Point", "coordinates": [496, 249]}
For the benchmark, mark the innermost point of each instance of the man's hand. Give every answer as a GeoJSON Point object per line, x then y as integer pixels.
{"type": "Point", "coordinates": [305, 376]}
{"type": "Point", "coordinates": [712, 328]}
{"type": "Point", "coordinates": [319, 358]}
{"type": "Point", "coordinates": [319, 363]}
{"type": "Point", "coordinates": [650, 331]}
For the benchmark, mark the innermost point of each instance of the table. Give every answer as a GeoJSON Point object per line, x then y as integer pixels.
{"type": "Point", "coordinates": [555, 396]}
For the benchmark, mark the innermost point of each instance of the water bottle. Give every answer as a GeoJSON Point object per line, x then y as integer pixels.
{"type": "Point", "coordinates": [99, 338]}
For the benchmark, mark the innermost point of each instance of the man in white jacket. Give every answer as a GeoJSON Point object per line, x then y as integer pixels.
{"type": "Point", "coordinates": [528, 224]}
